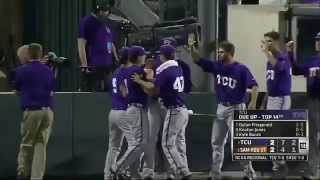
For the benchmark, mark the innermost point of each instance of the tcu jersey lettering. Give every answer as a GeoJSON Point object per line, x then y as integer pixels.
{"type": "Point", "coordinates": [232, 80]}
{"type": "Point", "coordinates": [226, 81]}
{"type": "Point", "coordinates": [270, 74]}
{"type": "Point", "coordinates": [313, 71]}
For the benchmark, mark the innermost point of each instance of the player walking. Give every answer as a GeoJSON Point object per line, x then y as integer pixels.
{"type": "Point", "coordinates": [232, 79]}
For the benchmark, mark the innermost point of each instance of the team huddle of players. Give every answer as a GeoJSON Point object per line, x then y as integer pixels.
{"type": "Point", "coordinates": [165, 79]}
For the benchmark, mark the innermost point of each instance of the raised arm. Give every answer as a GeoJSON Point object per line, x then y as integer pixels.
{"type": "Point", "coordinates": [206, 65]}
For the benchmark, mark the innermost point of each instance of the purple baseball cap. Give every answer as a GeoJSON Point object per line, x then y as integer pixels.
{"type": "Point", "coordinates": [167, 51]}
{"type": "Point", "coordinates": [169, 41]}
{"type": "Point", "coordinates": [136, 51]}
{"type": "Point", "coordinates": [317, 37]}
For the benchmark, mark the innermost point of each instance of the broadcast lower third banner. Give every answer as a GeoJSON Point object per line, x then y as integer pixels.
{"type": "Point", "coordinates": [268, 135]}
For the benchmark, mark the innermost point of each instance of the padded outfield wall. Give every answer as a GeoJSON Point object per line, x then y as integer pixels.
{"type": "Point", "coordinates": [79, 139]}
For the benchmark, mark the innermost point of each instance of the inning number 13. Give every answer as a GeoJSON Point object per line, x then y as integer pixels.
{"type": "Point", "coordinates": [179, 84]}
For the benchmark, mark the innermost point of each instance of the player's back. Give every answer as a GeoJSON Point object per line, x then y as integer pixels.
{"type": "Point", "coordinates": [171, 84]}
{"type": "Point", "coordinates": [185, 71]}
{"type": "Point", "coordinates": [118, 78]}
{"type": "Point", "coordinates": [135, 92]}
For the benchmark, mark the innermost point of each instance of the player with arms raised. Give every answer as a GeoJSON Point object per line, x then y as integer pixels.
{"type": "Point", "coordinates": [278, 83]}
{"type": "Point", "coordinates": [232, 79]}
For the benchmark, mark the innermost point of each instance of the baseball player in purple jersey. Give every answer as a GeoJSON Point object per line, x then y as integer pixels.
{"type": "Point", "coordinates": [136, 115]}
{"type": "Point", "coordinates": [278, 82]}
{"type": "Point", "coordinates": [157, 112]}
{"type": "Point", "coordinates": [311, 71]}
{"type": "Point", "coordinates": [118, 126]}
{"type": "Point", "coordinates": [169, 85]}
{"type": "Point", "coordinates": [232, 79]}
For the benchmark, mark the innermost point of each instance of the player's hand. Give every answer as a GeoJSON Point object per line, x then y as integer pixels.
{"type": "Point", "coordinates": [290, 46]}
{"type": "Point", "coordinates": [194, 52]}
{"type": "Point", "coordinates": [136, 78]}
{"type": "Point", "coordinates": [45, 60]}
{"type": "Point", "coordinates": [264, 47]}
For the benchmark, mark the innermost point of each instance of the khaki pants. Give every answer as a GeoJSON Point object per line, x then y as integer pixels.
{"type": "Point", "coordinates": [35, 132]}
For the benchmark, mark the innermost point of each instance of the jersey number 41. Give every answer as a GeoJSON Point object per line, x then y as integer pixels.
{"type": "Point", "coordinates": [178, 84]}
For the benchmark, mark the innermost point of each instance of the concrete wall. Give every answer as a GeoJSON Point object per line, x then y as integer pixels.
{"type": "Point", "coordinates": [78, 144]}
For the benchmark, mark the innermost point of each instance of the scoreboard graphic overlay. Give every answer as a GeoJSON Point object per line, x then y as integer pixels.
{"type": "Point", "coordinates": [267, 135]}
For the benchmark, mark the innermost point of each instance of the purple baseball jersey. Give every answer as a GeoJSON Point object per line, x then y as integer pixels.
{"type": "Point", "coordinates": [117, 100]}
{"type": "Point", "coordinates": [279, 76]}
{"type": "Point", "coordinates": [185, 70]}
{"type": "Point", "coordinates": [170, 82]}
{"type": "Point", "coordinates": [231, 81]}
{"type": "Point", "coordinates": [135, 92]}
{"type": "Point", "coordinates": [309, 70]}
{"type": "Point", "coordinates": [35, 82]}
{"type": "Point", "coordinates": [99, 41]}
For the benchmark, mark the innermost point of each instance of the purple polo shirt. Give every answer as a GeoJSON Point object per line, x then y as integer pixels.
{"type": "Point", "coordinates": [279, 76]}
{"type": "Point", "coordinates": [309, 71]}
{"type": "Point", "coordinates": [170, 82]}
{"type": "Point", "coordinates": [35, 82]}
{"type": "Point", "coordinates": [117, 100]}
{"type": "Point", "coordinates": [99, 41]}
{"type": "Point", "coordinates": [135, 92]}
{"type": "Point", "coordinates": [231, 81]}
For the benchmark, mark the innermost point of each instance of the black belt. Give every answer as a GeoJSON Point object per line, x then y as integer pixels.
{"type": "Point", "coordinates": [35, 108]}
{"type": "Point", "coordinates": [229, 103]}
